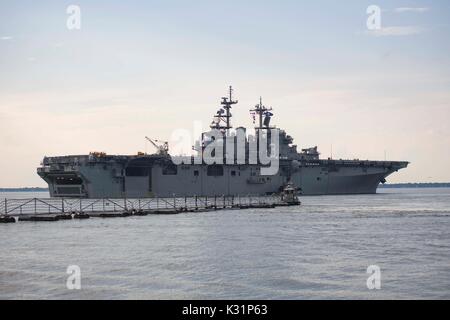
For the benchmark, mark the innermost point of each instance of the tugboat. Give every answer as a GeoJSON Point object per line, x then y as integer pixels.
{"type": "Point", "coordinates": [289, 196]}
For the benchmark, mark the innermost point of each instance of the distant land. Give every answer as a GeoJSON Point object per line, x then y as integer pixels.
{"type": "Point", "coordinates": [416, 185]}
{"type": "Point", "coordinates": [24, 189]}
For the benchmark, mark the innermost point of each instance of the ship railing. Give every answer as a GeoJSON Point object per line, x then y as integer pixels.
{"type": "Point", "coordinates": [37, 206]}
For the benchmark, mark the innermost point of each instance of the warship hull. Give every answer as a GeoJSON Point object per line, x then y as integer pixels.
{"type": "Point", "coordinates": [128, 176]}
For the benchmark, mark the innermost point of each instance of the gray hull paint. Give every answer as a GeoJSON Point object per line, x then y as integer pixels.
{"type": "Point", "coordinates": [100, 181]}
{"type": "Point", "coordinates": [316, 181]}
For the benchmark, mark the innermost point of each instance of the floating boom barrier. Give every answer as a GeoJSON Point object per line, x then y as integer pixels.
{"type": "Point", "coordinates": [56, 209]}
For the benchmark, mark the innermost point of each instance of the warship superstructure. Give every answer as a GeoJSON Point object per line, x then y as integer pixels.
{"type": "Point", "coordinates": [98, 175]}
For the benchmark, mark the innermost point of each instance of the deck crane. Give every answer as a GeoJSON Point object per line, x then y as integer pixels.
{"type": "Point", "coordinates": [161, 146]}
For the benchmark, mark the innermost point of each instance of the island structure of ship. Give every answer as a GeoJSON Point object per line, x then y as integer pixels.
{"type": "Point", "coordinates": [98, 175]}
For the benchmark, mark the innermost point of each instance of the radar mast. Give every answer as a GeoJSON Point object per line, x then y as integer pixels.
{"type": "Point", "coordinates": [262, 112]}
{"type": "Point", "coordinates": [222, 119]}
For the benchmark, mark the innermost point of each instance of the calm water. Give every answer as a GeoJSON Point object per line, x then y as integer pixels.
{"type": "Point", "coordinates": [319, 250]}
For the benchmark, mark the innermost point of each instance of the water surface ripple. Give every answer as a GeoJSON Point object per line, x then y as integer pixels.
{"type": "Point", "coordinates": [320, 250]}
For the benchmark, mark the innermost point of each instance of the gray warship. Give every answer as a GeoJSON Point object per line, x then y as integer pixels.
{"type": "Point", "coordinates": [99, 175]}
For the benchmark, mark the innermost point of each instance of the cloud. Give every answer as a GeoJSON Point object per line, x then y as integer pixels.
{"type": "Point", "coordinates": [6, 38]}
{"type": "Point", "coordinates": [409, 9]}
{"type": "Point", "coordinates": [396, 31]}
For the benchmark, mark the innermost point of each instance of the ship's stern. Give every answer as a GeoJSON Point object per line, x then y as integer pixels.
{"type": "Point", "coordinates": [63, 178]}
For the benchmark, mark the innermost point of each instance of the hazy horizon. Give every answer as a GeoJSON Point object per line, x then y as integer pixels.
{"type": "Point", "coordinates": [146, 68]}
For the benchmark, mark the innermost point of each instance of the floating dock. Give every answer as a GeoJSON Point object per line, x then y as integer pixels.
{"type": "Point", "coordinates": [47, 210]}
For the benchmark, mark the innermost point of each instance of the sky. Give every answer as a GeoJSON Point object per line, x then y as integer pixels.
{"type": "Point", "coordinates": [145, 68]}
